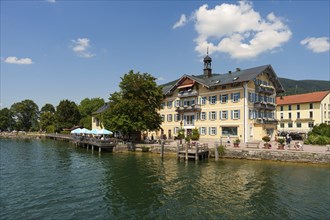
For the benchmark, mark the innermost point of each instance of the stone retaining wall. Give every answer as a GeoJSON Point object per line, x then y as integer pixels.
{"type": "Point", "coordinates": [284, 156]}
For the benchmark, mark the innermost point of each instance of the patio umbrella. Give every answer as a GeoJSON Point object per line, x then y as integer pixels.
{"type": "Point", "coordinates": [76, 131]}
{"type": "Point", "coordinates": [104, 131]}
{"type": "Point", "coordinates": [94, 131]}
{"type": "Point", "coordinates": [85, 131]}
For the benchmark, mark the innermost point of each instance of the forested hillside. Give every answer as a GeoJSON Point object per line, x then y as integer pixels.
{"type": "Point", "coordinates": [303, 86]}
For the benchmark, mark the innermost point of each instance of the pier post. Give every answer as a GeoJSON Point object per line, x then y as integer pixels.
{"type": "Point", "coordinates": [186, 151]}
{"type": "Point", "coordinates": [216, 151]}
{"type": "Point", "coordinates": [162, 149]}
{"type": "Point", "coordinates": [196, 153]}
{"type": "Point", "coordinates": [100, 149]}
{"type": "Point", "coordinates": [177, 150]}
{"type": "Point", "coordinates": [92, 147]}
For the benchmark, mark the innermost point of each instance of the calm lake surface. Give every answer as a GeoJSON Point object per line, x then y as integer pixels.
{"type": "Point", "coordinates": [44, 179]}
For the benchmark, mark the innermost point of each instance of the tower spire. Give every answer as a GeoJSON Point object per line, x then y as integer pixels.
{"type": "Point", "coordinates": [207, 64]}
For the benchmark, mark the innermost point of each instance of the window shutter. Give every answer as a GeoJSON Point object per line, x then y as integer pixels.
{"type": "Point", "coordinates": [232, 114]}
{"type": "Point", "coordinates": [216, 130]}
{"type": "Point", "coordinates": [209, 130]}
{"type": "Point", "coordinates": [231, 96]}
{"type": "Point", "coordinates": [239, 96]}
{"type": "Point", "coordinates": [239, 114]}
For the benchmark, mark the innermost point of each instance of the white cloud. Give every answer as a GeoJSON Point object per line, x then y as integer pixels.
{"type": "Point", "coordinates": [160, 79]}
{"type": "Point", "coordinates": [181, 22]}
{"type": "Point", "coordinates": [51, 1]}
{"type": "Point", "coordinates": [81, 46]}
{"type": "Point", "coordinates": [15, 60]}
{"type": "Point", "coordinates": [237, 29]}
{"type": "Point", "coordinates": [317, 45]}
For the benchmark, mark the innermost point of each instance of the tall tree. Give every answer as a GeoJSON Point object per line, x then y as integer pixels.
{"type": "Point", "coordinates": [87, 107]}
{"type": "Point", "coordinates": [48, 108]}
{"type": "Point", "coordinates": [135, 107]}
{"type": "Point", "coordinates": [7, 121]}
{"type": "Point", "coordinates": [26, 114]}
{"type": "Point", "coordinates": [67, 114]}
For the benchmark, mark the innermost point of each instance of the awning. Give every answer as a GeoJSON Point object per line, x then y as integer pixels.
{"type": "Point", "coordinates": [185, 86]}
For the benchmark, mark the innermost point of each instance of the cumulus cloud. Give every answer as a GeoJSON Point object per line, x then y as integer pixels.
{"type": "Point", "coordinates": [15, 60]}
{"type": "Point", "coordinates": [81, 46]}
{"type": "Point", "coordinates": [181, 22]}
{"type": "Point", "coordinates": [317, 45]}
{"type": "Point", "coordinates": [238, 30]}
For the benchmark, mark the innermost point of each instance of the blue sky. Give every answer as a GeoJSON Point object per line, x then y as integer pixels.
{"type": "Point", "coordinates": [54, 50]}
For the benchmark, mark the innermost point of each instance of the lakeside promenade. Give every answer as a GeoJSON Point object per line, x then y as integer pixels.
{"type": "Point", "coordinates": [309, 154]}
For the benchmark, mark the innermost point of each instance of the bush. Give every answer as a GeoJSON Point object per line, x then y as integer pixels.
{"type": "Point", "coordinates": [281, 140]}
{"type": "Point", "coordinates": [237, 141]}
{"type": "Point", "coordinates": [195, 134]}
{"type": "Point", "coordinates": [266, 139]}
{"type": "Point", "coordinates": [50, 129]}
{"type": "Point", "coordinates": [221, 150]}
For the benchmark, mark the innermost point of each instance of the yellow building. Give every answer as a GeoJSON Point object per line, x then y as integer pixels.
{"type": "Point", "coordinates": [97, 116]}
{"type": "Point", "coordinates": [299, 113]}
{"type": "Point", "coordinates": [239, 104]}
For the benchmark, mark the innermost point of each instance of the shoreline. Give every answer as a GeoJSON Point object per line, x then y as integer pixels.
{"type": "Point", "coordinates": [310, 154]}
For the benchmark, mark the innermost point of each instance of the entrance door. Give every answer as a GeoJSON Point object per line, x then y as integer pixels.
{"type": "Point", "coordinates": [189, 132]}
{"type": "Point", "coordinates": [169, 134]}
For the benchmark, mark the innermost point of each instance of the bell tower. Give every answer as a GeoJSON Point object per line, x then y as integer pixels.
{"type": "Point", "coordinates": [207, 65]}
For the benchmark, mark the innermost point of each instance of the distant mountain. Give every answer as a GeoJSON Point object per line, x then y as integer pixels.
{"type": "Point", "coordinates": [303, 86]}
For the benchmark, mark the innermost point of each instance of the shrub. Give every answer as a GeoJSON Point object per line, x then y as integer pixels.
{"type": "Point", "coordinates": [50, 129]}
{"type": "Point", "coordinates": [281, 140]}
{"type": "Point", "coordinates": [195, 134]}
{"type": "Point", "coordinates": [221, 150]}
{"type": "Point", "coordinates": [266, 139]}
{"type": "Point", "coordinates": [322, 140]}
{"type": "Point", "coordinates": [237, 141]}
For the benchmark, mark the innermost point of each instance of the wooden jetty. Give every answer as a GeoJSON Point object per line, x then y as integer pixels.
{"type": "Point", "coordinates": [195, 151]}
{"type": "Point", "coordinates": [86, 142]}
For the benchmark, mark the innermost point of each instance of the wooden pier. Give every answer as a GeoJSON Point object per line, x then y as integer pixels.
{"type": "Point", "coordinates": [86, 142]}
{"type": "Point", "coordinates": [194, 151]}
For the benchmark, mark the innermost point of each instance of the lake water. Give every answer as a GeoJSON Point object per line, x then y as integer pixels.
{"type": "Point", "coordinates": [44, 179]}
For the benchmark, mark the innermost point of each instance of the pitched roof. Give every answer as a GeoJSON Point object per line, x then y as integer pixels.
{"type": "Point", "coordinates": [102, 109]}
{"type": "Point", "coordinates": [228, 78]}
{"type": "Point", "coordinates": [302, 98]}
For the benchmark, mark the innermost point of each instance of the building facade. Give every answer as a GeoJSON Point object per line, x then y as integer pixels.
{"type": "Point", "coordinates": [98, 115]}
{"type": "Point", "coordinates": [239, 104]}
{"type": "Point", "coordinates": [300, 113]}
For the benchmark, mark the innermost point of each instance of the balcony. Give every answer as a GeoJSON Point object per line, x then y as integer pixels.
{"type": "Point", "coordinates": [260, 105]}
{"type": "Point", "coordinates": [268, 90]}
{"type": "Point", "coordinates": [187, 93]}
{"type": "Point", "coordinates": [187, 108]}
{"type": "Point", "coordinates": [265, 121]}
{"type": "Point", "coordinates": [270, 107]}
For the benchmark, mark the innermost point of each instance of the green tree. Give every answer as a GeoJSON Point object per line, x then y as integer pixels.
{"type": "Point", "coordinates": [67, 114]}
{"type": "Point", "coordinates": [48, 108]}
{"type": "Point", "coordinates": [26, 114]}
{"type": "Point", "coordinates": [135, 107]}
{"type": "Point", "coordinates": [87, 107]}
{"type": "Point", "coordinates": [46, 119]}
{"type": "Point", "coordinates": [7, 121]}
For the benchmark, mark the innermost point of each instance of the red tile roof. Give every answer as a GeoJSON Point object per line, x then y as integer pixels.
{"type": "Point", "coordinates": [302, 98]}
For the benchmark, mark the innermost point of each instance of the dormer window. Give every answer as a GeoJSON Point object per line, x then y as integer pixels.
{"type": "Point", "coordinates": [236, 78]}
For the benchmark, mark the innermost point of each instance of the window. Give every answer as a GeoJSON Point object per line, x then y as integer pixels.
{"type": "Point", "coordinates": [177, 117]}
{"type": "Point", "coordinates": [189, 120]}
{"type": "Point", "coordinates": [298, 114]}
{"type": "Point", "coordinates": [289, 107]}
{"type": "Point", "coordinates": [177, 103]}
{"type": "Point", "coordinates": [310, 114]}
{"type": "Point", "coordinates": [163, 117]}
{"type": "Point", "coordinates": [203, 100]}
{"type": "Point", "coordinates": [310, 105]}
{"type": "Point", "coordinates": [229, 131]}
{"type": "Point", "coordinates": [325, 114]}
{"type": "Point", "coordinates": [289, 115]}
{"type": "Point", "coordinates": [298, 107]}
{"type": "Point", "coordinates": [298, 124]}
{"type": "Point", "coordinates": [235, 97]}
{"type": "Point", "coordinates": [169, 117]}
{"type": "Point", "coordinates": [213, 131]}
{"type": "Point", "coordinates": [310, 124]}
{"type": "Point", "coordinates": [290, 125]}
{"type": "Point", "coordinates": [325, 106]}
{"type": "Point", "coordinates": [176, 130]}
{"type": "Point", "coordinates": [235, 114]}
{"type": "Point", "coordinates": [224, 98]}
{"type": "Point", "coordinates": [281, 108]}
{"type": "Point", "coordinates": [202, 130]}
{"type": "Point", "coordinates": [224, 114]}
{"type": "Point", "coordinates": [162, 105]}
{"type": "Point", "coordinates": [169, 104]}
{"type": "Point", "coordinates": [213, 99]}
{"type": "Point", "coordinates": [281, 125]}
{"type": "Point", "coordinates": [203, 116]}
{"type": "Point", "coordinates": [213, 116]}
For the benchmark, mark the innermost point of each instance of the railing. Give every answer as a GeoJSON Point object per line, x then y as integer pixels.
{"type": "Point", "coordinates": [266, 121]}
{"type": "Point", "coordinates": [265, 90]}
{"type": "Point", "coordinates": [188, 93]}
{"type": "Point", "coordinates": [188, 108]}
